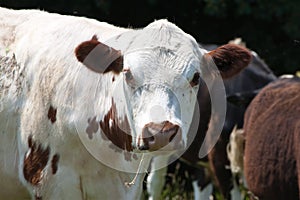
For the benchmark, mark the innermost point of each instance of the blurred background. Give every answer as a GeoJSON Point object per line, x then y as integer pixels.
{"type": "Point", "coordinates": [271, 28]}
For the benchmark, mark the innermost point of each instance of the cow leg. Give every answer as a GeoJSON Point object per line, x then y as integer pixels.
{"type": "Point", "coordinates": [218, 161]}
{"type": "Point", "coordinates": [156, 178]}
{"type": "Point", "coordinates": [235, 193]}
{"type": "Point", "coordinates": [202, 193]}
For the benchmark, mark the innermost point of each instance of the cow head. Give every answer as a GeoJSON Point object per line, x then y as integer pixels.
{"type": "Point", "coordinates": [157, 75]}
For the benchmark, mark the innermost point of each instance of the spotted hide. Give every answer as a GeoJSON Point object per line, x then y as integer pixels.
{"type": "Point", "coordinates": [85, 104]}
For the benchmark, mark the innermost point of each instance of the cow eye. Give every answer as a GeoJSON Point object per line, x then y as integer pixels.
{"type": "Point", "coordinates": [128, 75]}
{"type": "Point", "coordinates": [195, 80]}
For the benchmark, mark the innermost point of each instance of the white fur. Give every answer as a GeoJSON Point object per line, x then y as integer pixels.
{"type": "Point", "coordinates": [202, 193]}
{"type": "Point", "coordinates": [156, 177]}
{"type": "Point", "coordinates": [43, 45]}
{"type": "Point", "coordinates": [235, 154]}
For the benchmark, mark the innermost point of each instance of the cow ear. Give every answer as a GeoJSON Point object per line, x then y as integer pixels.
{"type": "Point", "coordinates": [230, 59]}
{"type": "Point", "coordinates": [99, 57]}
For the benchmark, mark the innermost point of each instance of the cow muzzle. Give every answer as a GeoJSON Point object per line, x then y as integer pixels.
{"type": "Point", "coordinates": [155, 136]}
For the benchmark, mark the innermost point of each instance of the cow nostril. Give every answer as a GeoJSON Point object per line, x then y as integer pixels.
{"type": "Point", "coordinates": [151, 139]}
{"type": "Point", "coordinates": [172, 137]}
{"type": "Point", "coordinates": [143, 147]}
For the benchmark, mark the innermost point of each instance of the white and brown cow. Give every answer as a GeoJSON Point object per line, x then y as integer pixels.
{"type": "Point", "coordinates": [272, 133]}
{"type": "Point", "coordinates": [79, 116]}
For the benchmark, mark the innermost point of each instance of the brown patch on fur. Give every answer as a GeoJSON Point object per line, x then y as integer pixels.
{"type": "Point", "coordinates": [117, 130]}
{"type": "Point", "coordinates": [114, 147]}
{"type": "Point", "coordinates": [35, 162]}
{"type": "Point", "coordinates": [272, 156]}
{"type": "Point", "coordinates": [99, 57]}
{"type": "Point", "coordinates": [83, 50]}
{"type": "Point", "coordinates": [116, 66]}
{"type": "Point", "coordinates": [52, 114]}
{"type": "Point", "coordinates": [95, 37]}
{"type": "Point", "coordinates": [135, 157]}
{"type": "Point", "coordinates": [230, 59]}
{"type": "Point", "coordinates": [129, 156]}
{"type": "Point", "coordinates": [92, 127]}
{"type": "Point", "coordinates": [54, 163]}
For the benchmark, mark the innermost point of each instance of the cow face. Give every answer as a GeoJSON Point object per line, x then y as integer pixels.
{"type": "Point", "coordinates": [162, 86]}
{"type": "Point", "coordinates": [159, 79]}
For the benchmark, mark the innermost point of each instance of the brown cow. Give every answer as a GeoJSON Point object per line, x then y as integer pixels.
{"type": "Point", "coordinates": [272, 150]}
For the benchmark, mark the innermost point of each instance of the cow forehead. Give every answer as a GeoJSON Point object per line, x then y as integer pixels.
{"type": "Point", "coordinates": [161, 39]}
{"type": "Point", "coordinates": [161, 65]}
{"type": "Point", "coordinates": [171, 73]}
{"type": "Point", "coordinates": [166, 34]}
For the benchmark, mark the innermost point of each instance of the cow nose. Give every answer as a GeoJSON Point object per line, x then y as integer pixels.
{"type": "Point", "coordinates": [157, 135]}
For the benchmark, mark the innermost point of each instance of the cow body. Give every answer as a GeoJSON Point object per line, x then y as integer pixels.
{"type": "Point", "coordinates": [247, 83]}
{"type": "Point", "coordinates": [80, 117]}
{"type": "Point", "coordinates": [272, 131]}
{"type": "Point", "coordinates": [38, 112]}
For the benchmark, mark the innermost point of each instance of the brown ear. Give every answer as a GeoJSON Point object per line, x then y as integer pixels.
{"type": "Point", "coordinates": [230, 59]}
{"type": "Point", "coordinates": [99, 57]}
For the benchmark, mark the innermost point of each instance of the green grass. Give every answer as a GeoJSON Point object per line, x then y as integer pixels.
{"type": "Point", "coordinates": [176, 188]}
{"type": "Point", "coordinates": [180, 187]}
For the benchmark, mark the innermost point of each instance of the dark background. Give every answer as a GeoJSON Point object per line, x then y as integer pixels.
{"type": "Point", "coordinates": [269, 27]}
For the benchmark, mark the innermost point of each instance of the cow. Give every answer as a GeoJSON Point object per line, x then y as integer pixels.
{"type": "Point", "coordinates": [272, 134]}
{"type": "Point", "coordinates": [85, 104]}
{"type": "Point", "coordinates": [246, 85]}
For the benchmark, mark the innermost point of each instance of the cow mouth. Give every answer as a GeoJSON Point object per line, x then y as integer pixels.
{"type": "Point", "coordinates": [150, 144]}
